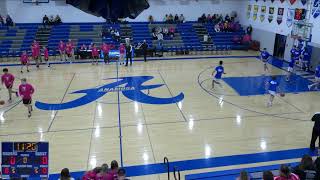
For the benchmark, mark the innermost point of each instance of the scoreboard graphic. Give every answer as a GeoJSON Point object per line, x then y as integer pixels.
{"type": "Point", "coordinates": [25, 160]}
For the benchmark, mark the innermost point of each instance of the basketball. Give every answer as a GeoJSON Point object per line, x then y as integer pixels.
{"type": "Point", "coordinates": [282, 94]}
{"type": "Point", "coordinates": [2, 102]}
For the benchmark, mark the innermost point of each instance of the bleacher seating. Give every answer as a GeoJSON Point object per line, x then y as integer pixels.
{"type": "Point", "coordinates": [13, 40]}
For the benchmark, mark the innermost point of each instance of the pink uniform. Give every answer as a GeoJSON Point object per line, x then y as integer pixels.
{"type": "Point", "coordinates": [122, 49]}
{"type": "Point", "coordinates": [24, 59]}
{"type": "Point", "coordinates": [61, 47]}
{"type": "Point", "coordinates": [69, 48]}
{"type": "Point", "coordinates": [7, 79]}
{"type": "Point", "coordinates": [46, 53]}
{"type": "Point", "coordinates": [95, 52]}
{"type": "Point", "coordinates": [35, 49]}
{"type": "Point", "coordinates": [26, 91]}
{"type": "Point", "coordinates": [105, 48]}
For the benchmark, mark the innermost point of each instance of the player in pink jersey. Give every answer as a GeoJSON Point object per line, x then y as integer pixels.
{"type": "Point", "coordinates": [36, 52]}
{"type": "Point", "coordinates": [8, 79]}
{"type": "Point", "coordinates": [46, 55]}
{"type": "Point", "coordinates": [69, 50]}
{"type": "Point", "coordinates": [94, 54]}
{"type": "Point", "coordinates": [105, 48]}
{"type": "Point", "coordinates": [62, 50]}
{"type": "Point", "coordinates": [24, 59]}
{"type": "Point", "coordinates": [122, 50]}
{"type": "Point", "coordinates": [26, 90]}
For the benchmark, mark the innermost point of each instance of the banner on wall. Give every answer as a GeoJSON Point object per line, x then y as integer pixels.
{"type": "Point", "coordinates": [255, 11]}
{"type": "Point", "coordinates": [290, 16]}
{"type": "Point", "coordinates": [249, 11]}
{"type": "Point", "coordinates": [263, 13]}
{"type": "Point", "coordinates": [280, 15]}
{"type": "Point", "coordinates": [304, 2]}
{"type": "Point", "coordinates": [300, 14]}
{"type": "Point", "coordinates": [316, 8]}
{"type": "Point", "coordinates": [271, 12]}
{"type": "Point", "coordinates": [292, 1]}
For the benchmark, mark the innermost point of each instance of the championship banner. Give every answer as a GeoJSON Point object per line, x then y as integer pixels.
{"type": "Point", "coordinates": [249, 11]}
{"type": "Point", "coordinates": [280, 15]}
{"type": "Point", "coordinates": [304, 2]}
{"type": "Point", "coordinates": [271, 12]}
{"type": "Point", "coordinates": [255, 11]}
{"type": "Point", "coordinates": [292, 1]}
{"type": "Point", "coordinates": [316, 8]}
{"type": "Point", "coordinates": [300, 14]}
{"type": "Point", "coordinates": [263, 13]}
{"type": "Point", "coordinates": [290, 16]}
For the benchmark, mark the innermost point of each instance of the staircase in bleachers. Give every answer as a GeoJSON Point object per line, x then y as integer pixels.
{"type": "Point", "coordinates": [125, 32]}
{"type": "Point", "coordinates": [188, 34]}
{"type": "Point", "coordinates": [86, 34]}
{"type": "Point", "coordinates": [201, 32]}
{"type": "Point", "coordinates": [168, 42]}
{"type": "Point", "coordinates": [42, 36]}
{"type": "Point", "coordinates": [140, 32]}
{"type": "Point", "coordinates": [58, 33]}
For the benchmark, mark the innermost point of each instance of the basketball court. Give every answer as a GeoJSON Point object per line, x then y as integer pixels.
{"type": "Point", "coordinates": [162, 108]}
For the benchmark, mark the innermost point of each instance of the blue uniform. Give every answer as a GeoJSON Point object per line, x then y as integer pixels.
{"type": "Point", "coordinates": [292, 51]}
{"type": "Point", "coordinates": [318, 71]}
{"type": "Point", "coordinates": [296, 54]}
{"type": "Point", "coordinates": [306, 56]}
{"type": "Point", "coordinates": [265, 55]}
{"type": "Point", "coordinates": [273, 85]}
{"type": "Point", "coordinates": [219, 72]}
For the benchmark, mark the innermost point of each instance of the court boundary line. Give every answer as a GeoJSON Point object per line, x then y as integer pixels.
{"type": "Point", "coordinates": [65, 93]}
{"type": "Point", "coordinates": [91, 135]}
{"type": "Point", "coordinates": [119, 118]}
{"type": "Point", "coordinates": [151, 124]}
{"type": "Point", "coordinates": [150, 59]}
{"type": "Point", "coordinates": [171, 94]}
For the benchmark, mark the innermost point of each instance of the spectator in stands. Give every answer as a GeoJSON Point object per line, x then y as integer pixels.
{"type": "Point", "coordinates": [91, 175]}
{"type": "Point", "coordinates": [1, 20]}
{"type": "Point", "coordinates": [51, 20]}
{"type": "Point", "coordinates": [182, 18]}
{"type": "Point", "coordinates": [112, 174]}
{"type": "Point", "coordinates": [246, 40]}
{"type": "Point", "coordinates": [225, 26]}
{"type": "Point", "coordinates": [249, 29]}
{"type": "Point", "coordinates": [237, 26]}
{"type": "Point", "coordinates": [243, 176]}
{"type": "Point", "coordinates": [165, 31]}
{"type": "Point", "coordinates": [57, 20]}
{"type": "Point", "coordinates": [209, 18]}
{"type": "Point", "coordinates": [217, 27]}
{"type": "Point", "coordinates": [45, 21]}
{"type": "Point", "coordinates": [65, 175]}
{"type": "Point", "coordinates": [9, 21]}
{"type": "Point", "coordinates": [227, 18]}
{"type": "Point", "coordinates": [171, 31]}
{"type": "Point", "coordinates": [285, 174]}
{"type": "Point", "coordinates": [103, 173]}
{"type": "Point", "coordinates": [306, 169]}
{"type": "Point", "coordinates": [176, 18]}
{"type": "Point", "coordinates": [267, 175]}
{"type": "Point", "coordinates": [144, 47]}
{"type": "Point", "coordinates": [166, 18]}
{"type": "Point", "coordinates": [154, 36]}
{"type": "Point", "coordinates": [202, 19]}
{"type": "Point", "coordinates": [160, 37]}
{"type": "Point", "coordinates": [121, 174]}
{"type": "Point", "coordinates": [150, 19]}
{"type": "Point", "coordinates": [116, 35]}
{"type": "Point", "coordinates": [171, 19]}
{"type": "Point", "coordinates": [236, 39]}
{"type": "Point", "coordinates": [83, 47]}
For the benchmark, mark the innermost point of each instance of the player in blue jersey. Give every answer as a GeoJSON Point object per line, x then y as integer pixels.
{"type": "Point", "coordinates": [295, 55]}
{"type": "Point", "coordinates": [272, 89]}
{"type": "Point", "coordinates": [218, 71]}
{"type": "Point", "coordinates": [306, 57]}
{"type": "Point", "coordinates": [264, 56]}
{"type": "Point", "coordinates": [317, 79]}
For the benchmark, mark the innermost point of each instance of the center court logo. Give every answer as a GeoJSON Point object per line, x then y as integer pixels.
{"type": "Point", "coordinates": [130, 87]}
